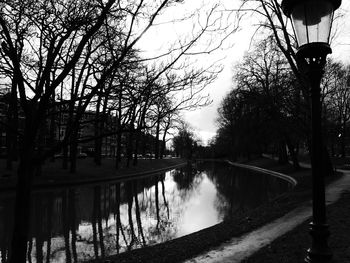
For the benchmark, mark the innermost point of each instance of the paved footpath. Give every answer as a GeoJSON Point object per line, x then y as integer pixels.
{"type": "Point", "coordinates": [239, 248]}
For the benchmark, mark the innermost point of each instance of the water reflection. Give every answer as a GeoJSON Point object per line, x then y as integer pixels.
{"type": "Point", "coordinates": [77, 224]}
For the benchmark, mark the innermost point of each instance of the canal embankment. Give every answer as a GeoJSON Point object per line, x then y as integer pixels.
{"type": "Point", "coordinates": [238, 225]}
{"type": "Point", "coordinates": [209, 239]}
{"type": "Point", "coordinates": [53, 175]}
{"type": "Point", "coordinates": [285, 239]}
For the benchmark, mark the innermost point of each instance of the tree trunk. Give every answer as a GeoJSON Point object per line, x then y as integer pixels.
{"type": "Point", "coordinates": [163, 144]}
{"type": "Point", "coordinates": [137, 142]}
{"type": "Point", "coordinates": [282, 153]}
{"type": "Point", "coordinates": [98, 139]}
{"type": "Point", "coordinates": [65, 157]}
{"type": "Point", "coordinates": [327, 166]}
{"type": "Point", "coordinates": [156, 144]}
{"type": "Point", "coordinates": [23, 202]}
{"type": "Point", "coordinates": [118, 157]}
{"type": "Point", "coordinates": [52, 128]}
{"type": "Point", "coordinates": [293, 153]}
{"type": "Point", "coordinates": [73, 151]}
{"type": "Point", "coordinates": [12, 130]}
{"type": "Point", "coordinates": [9, 145]}
{"type": "Point", "coordinates": [41, 147]}
{"type": "Point", "coordinates": [342, 138]}
{"type": "Point", "coordinates": [129, 148]}
{"type": "Point", "coordinates": [119, 130]}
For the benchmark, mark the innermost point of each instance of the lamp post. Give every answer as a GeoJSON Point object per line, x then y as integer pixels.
{"type": "Point", "coordinates": [312, 22]}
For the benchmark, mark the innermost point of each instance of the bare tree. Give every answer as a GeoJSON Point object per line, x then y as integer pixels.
{"type": "Point", "coordinates": [336, 99]}
{"type": "Point", "coordinates": [51, 48]}
{"type": "Point", "coordinates": [48, 30]}
{"type": "Point", "coordinates": [273, 22]}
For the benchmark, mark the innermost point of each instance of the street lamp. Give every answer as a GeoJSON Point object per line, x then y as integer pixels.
{"type": "Point", "coordinates": [312, 22]}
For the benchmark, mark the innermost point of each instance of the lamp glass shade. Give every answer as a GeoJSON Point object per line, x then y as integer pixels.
{"type": "Point", "coordinates": [312, 21]}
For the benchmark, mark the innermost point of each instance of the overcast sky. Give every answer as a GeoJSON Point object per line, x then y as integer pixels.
{"type": "Point", "coordinates": [203, 120]}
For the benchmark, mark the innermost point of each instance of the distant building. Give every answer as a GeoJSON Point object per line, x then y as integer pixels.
{"type": "Point", "coordinates": [86, 130]}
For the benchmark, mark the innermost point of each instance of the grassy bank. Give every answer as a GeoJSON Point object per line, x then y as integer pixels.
{"type": "Point", "coordinates": [53, 173]}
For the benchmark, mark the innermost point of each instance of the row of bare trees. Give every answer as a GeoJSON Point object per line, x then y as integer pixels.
{"type": "Point", "coordinates": [265, 108]}
{"type": "Point", "coordinates": [68, 58]}
{"type": "Point", "coordinates": [266, 113]}
{"type": "Point", "coordinates": [272, 99]}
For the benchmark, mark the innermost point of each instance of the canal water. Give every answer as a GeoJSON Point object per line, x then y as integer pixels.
{"type": "Point", "coordinates": [88, 222]}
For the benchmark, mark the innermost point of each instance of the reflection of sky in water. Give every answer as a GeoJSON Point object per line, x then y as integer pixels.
{"type": "Point", "coordinates": [199, 211]}
{"type": "Point", "coordinates": [171, 205]}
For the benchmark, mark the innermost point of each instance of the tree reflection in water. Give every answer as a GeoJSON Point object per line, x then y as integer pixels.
{"type": "Point", "coordinates": [77, 224]}
{"type": "Point", "coordinates": [239, 190]}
